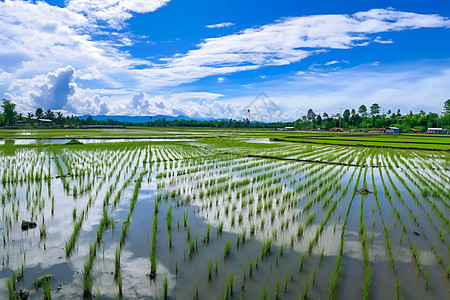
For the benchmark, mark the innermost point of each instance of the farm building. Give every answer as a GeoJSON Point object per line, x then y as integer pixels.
{"type": "Point", "coordinates": [336, 129]}
{"type": "Point", "coordinates": [20, 123]}
{"type": "Point", "coordinates": [438, 131]}
{"type": "Point", "coordinates": [45, 122]}
{"type": "Point", "coordinates": [392, 130]}
{"type": "Point", "coordinates": [415, 130]}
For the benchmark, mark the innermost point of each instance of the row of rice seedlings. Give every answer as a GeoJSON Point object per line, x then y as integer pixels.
{"type": "Point", "coordinates": [363, 237]}
{"type": "Point", "coordinates": [415, 252]}
{"type": "Point", "coordinates": [335, 275]}
{"type": "Point", "coordinates": [153, 262]}
{"type": "Point", "coordinates": [126, 223]}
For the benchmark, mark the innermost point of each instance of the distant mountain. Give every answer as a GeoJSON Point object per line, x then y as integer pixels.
{"type": "Point", "coordinates": [142, 119]}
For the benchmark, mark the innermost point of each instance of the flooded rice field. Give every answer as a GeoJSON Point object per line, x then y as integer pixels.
{"type": "Point", "coordinates": [187, 220]}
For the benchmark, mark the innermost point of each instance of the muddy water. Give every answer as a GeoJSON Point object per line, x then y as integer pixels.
{"type": "Point", "coordinates": [47, 255]}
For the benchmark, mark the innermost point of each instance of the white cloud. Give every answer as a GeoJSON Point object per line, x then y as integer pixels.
{"type": "Point", "coordinates": [285, 42]}
{"type": "Point", "coordinates": [220, 25]}
{"type": "Point", "coordinates": [333, 62]}
{"type": "Point", "coordinates": [114, 12]}
{"type": "Point", "coordinates": [38, 43]}
{"type": "Point", "coordinates": [56, 89]}
{"type": "Point", "coordinates": [220, 79]}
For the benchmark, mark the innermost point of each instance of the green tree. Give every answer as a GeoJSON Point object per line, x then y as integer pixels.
{"type": "Point", "coordinates": [374, 109]}
{"type": "Point", "coordinates": [49, 114]}
{"type": "Point", "coordinates": [9, 112]}
{"type": "Point", "coordinates": [39, 113]}
{"type": "Point", "coordinates": [346, 115]}
{"type": "Point", "coordinates": [362, 110]}
{"type": "Point", "coordinates": [447, 107]}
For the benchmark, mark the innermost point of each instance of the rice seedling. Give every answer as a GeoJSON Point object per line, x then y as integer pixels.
{"type": "Point", "coordinates": [153, 262]}
{"type": "Point", "coordinates": [117, 263]}
{"type": "Point", "coordinates": [265, 294]}
{"type": "Point", "coordinates": [265, 247]}
{"type": "Point", "coordinates": [321, 256]}
{"type": "Point", "coordinates": [227, 249]}
{"type": "Point", "coordinates": [427, 277]}
{"type": "Point", "coordinates": [196, 291]}
{"type": "Point", "coordinates": [209, 269]}
{"type": "Point", "coordinates": [220, 228]}
{"type": "Point", "coordinates": [230, 284]}
{"type": "Point", "coordinates": [217, 267]}
{"type": "Point", "coordinates": [398, 287]}
{"type": "Point", "coordinates": [165, 286]}
{"type": "Point", "coordinates": [11, 285]}
{"type": "Point", "coordinates": [302, 261]}
{"type": "Point", "coordinates": [277, 291]}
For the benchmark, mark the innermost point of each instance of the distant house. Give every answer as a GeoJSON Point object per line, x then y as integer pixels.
{"type": "Point", "coordinates": [288, 128]}
{"type": "Point", "coordinates": [322, 129]}
{"type": "Point", "coordinates": [392, 130]}
{"type": "Point", "coordinates": [45, 122]}
{"type": "Point", "coordinates": [20, 123]}
{"type": "Point", "coordinates": [416, 130]}
{"type": "Point", "coordinates": [438, 131]}
{"type": "Point", "coordinates": [336, 129]}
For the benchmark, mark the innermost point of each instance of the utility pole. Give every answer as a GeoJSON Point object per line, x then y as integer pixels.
{"type": "Point", "coordinates": [340, 116]}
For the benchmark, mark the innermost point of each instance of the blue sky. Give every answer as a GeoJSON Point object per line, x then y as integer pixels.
{"type": "Point", "coordinates": [213, 58]}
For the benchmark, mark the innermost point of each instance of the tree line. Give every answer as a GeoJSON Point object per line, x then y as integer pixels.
{"type": "Point", "coordinates": [362, 118]}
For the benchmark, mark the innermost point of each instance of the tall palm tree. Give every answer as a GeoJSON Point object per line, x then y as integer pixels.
{"type": "Point", "coordinates": [49, 114]}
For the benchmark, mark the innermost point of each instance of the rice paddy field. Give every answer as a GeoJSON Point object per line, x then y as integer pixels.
{"type": "Point", "coordinates": [218, 218]}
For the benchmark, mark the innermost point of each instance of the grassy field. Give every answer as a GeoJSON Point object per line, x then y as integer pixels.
{"type": "Point", "coordinates": [413, 141]}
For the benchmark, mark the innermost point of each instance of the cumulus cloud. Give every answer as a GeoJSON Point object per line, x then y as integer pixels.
{"type": "Point", "coordinates": [56, 89]}
{"type": "Point", "coordinates": [39, 41]}
{"type": "Point", "coordinates": [220, 25]}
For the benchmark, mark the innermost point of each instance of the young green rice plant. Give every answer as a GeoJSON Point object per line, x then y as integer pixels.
{"type": "Point", "coordinates": [210, 268]}
{"type": "Point", "coordinates": [11, 284]}
{"type": "Point", "coordinates": [427, 277]}
{"type": "Point", "coordinates": [207, 234]}
{"type": "Point", "coordinates": [188, 233]}
{"type": "Point", "coordinates": [321, 256]}
{"type": "Point", "coordinates": [302, 261]}
{"type": "Point", "coordinates": [169, 218]}
{"type": "Point", "coordinates": [300, 231]}
{"type": "Point", "coordinates": [88, 282]}
{"type": "Point", "coordinates": [196, 291]}
{"type": "Point", "coordinates": [191, 245]}
{"type": "Point", "coordinates": [366, 286]}
{"type": "Point", "coordinates": [43, 231]}
{"type": "Point", "coordinates": [220, 228]}
{"type": "Point", "coordinates": [165, 286]}
{"type": "Point", "coordinates": [265, 247]}
{"type": "Point", "coordinates": [216, 270]}
{"type": "Point", "coordinates": [227, 249]}
{"type": "Point", "coordinates": [306, 290]}
{"type": "Point", "coordinates": [119, 284]}
{"type": "Point", "coordinates": [153, 249]}
{"type": "Point", "coordinates": [398, 287]}
{"type": "Point", "coordinates": [250, 267]}
{"type": "Point", "coordinates": [310, 218]}
{"type": "Point", "coordinates": [230, 284]}
{"type": "Point", "coordinates": [117, 263]}
{"type": "Point", "coordinates": [277, 292]}
{"type": "Point", "coordinates": [46, 287]}
{"type": "Point", "coordinates": [265, 294]}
